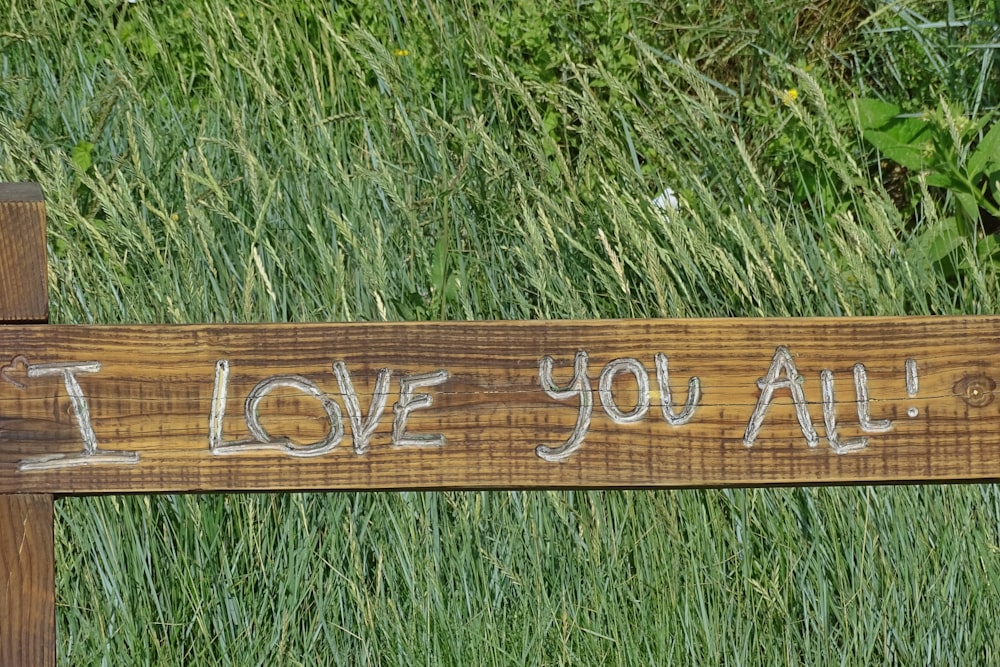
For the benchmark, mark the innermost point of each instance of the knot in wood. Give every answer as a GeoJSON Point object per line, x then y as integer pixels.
{"type": "Point", "coordinates": [976, 390]}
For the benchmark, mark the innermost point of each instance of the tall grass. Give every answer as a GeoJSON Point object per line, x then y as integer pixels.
{"type": "Point", "coordinates": [299, 162]}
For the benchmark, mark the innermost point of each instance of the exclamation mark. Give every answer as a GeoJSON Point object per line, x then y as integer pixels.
{"type": "Point", "coordinates": [912, 385]}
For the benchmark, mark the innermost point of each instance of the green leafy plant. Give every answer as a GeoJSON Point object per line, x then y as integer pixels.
{"type": "Point", "coordinates": [947, 151]}
{"type": "Point", "coordinates": [915, 53]}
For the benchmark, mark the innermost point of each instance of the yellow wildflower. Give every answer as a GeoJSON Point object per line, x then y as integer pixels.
{"type": "Point", "coordinates": [401, 53]}
{"type": "Point", "coordinates": [789, 96]}
{"type": "Point", "coordinates": [174, 217]}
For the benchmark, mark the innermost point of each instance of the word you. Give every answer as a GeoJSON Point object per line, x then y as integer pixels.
{"type": "Point", "coordinates": [580, 387]}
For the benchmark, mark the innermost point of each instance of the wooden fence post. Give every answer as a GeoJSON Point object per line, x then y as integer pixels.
{"type": "Point", "coordinates": [27, 556]}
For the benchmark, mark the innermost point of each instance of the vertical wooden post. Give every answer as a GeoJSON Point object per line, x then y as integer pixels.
{"type": "Point", "coordinates": [27, 550]}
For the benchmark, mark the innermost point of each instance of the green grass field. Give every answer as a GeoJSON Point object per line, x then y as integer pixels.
{"type": "Point", "coordinates": [250, 161]}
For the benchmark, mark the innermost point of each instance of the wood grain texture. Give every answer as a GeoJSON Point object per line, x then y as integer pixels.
{"type": "Point", "coordinates": [23, 277]}
{"type": "Point", "coordinates": [27, 551]}
{"type": "Point", "coordinates": [27, 581]}
{"type": "Point", "coordinates": [152, 398]}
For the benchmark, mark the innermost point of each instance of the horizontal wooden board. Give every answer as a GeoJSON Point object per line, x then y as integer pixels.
{"type": "Point", "coordinates": [561, 404]}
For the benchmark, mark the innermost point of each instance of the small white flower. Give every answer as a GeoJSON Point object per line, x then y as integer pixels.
{"type": "Point", "coordinates": [667, 201]}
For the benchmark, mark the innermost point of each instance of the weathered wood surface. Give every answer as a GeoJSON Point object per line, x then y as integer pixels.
{"type": "Point", "coordinates": [788, 401]}
{"type": "Point", "coordinates": [27, 553]}
{"type": "Point", "coordinates": [23, 276]}
{"type": "Point", "coordinates": [27, 581]}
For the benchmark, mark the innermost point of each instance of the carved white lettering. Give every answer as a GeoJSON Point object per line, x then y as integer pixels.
{"type": "Point", "coordinates": [864, 411]}
{"type": "Point", "coordinates": [830, 419]}
{"type": "Point", "coordinates": [75, 393]}
{"type": "Point", "coordinates": [218, 412]}
{"type": "Point", "coordinates": [666, 403]}
{"type": "Point", "coordinates": [578, 386]}
{"type": "Point", "coordinates": [781, 374]}
{"type": "Point", "coordinates": [781, 364]}
{"type": "Point", "coordinates": [912, 385]}
{"type": "Point", "coordinates": [912, 382]}
{"type": "Point", "coordinates": [261, 439]}
{"type": "Point", "coordinates": [91, 452]}
{"type": "Point", "coordinates": [408, 402]}
{"type": "Point", "coordinates": [363, 428]}
{"type": "Point", "coordinates": [638, 371]}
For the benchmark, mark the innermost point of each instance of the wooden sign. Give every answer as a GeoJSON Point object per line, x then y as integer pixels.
{"type": "Point", "coordinates": [650, 403]}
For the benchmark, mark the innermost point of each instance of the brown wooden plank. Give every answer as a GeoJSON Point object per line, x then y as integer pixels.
{"type": "Point", "coordinates": [27, 580]}
{"type": "Point", "coordinates": [23, 286]}
{"type": "Point", "coordinates": [27, 571]}
{"type": "Point", "coordinates": [149, 394]}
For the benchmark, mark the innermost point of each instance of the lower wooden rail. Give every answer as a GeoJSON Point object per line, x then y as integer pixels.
{"type": "Point", "coordinates": [459, 405]}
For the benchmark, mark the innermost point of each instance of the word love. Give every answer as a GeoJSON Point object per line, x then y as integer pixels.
{"type": "Point", "coordinates": [362, 425]}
